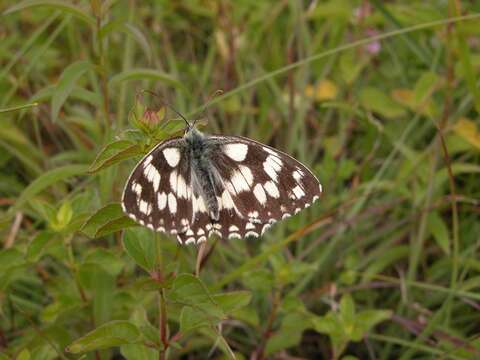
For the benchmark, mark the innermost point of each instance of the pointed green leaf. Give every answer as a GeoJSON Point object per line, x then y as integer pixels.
{"type": "Point", "coordinates": [39, 244]}
{"type": "Point", "coordinates": [106, 220]}
{"type": "Point", "coordinates": [114, 333]}
{"type": "Point", "coordinates": [114, 153]}
{"type": "Point", "coordinates": [139, 243]}
{"type": "Point", "coordinates": [138, 352]}
{"type": "Point", "coordinates": [377, 101]}
{"type": "Point", "coordinates": [45, 180]}
{"type": "Point", "coordinates": [66, 84]}
{"type": "Point", "coordinates": [232, 301]}
{"type": "Point", "coordinates": [439, 230]}
{"type": "Point", "coordinates": [366, 320]}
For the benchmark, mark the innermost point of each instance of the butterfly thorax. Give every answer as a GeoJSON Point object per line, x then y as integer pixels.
{"type": "Point", "coordinates": [205, 179]}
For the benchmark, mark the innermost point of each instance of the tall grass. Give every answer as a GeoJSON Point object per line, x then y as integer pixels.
{"type": "Point", "coordinates": [380, 99]}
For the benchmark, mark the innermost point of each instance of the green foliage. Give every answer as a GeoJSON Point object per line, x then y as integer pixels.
{"type": "Point", "coordinates": [379, 99]}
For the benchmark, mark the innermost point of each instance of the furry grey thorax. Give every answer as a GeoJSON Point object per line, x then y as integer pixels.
{"type": "Point", "coordinates": [206, 181]}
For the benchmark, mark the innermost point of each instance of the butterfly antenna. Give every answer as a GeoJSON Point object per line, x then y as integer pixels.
{"type": "Point", "coordinates": [210, 99]}
{"type": "Point", "coordinates": [165, 103]}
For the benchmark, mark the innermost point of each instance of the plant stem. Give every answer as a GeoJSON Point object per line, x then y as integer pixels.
{"type": "Point", "coordinates": [162, 324]}
{"type": "Point", "coordinates": [103, 75]}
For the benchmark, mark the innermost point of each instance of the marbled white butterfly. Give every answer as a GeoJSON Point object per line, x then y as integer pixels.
{"type": "Point", "coordinates": [198, 185]}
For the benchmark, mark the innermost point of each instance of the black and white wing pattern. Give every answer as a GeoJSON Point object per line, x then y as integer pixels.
{"type": "Point", "coordinates": [230, 186]}
{"type": "Point", "coordinates": [264, 184]}
{"type": "Point", "coordinates": [158, 194]}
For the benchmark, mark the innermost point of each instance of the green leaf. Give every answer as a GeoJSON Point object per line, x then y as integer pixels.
{"type": "Point", "coordinates": [106, 259]}
{"type": "Point", "coordinates": [66, 84]}
{"type": "Point", "coordinates": [139, 243]}
{"type": "Point", "coordinates": [232, 301]}
{"type": "Point", "coordinates": [10, 258]}
{"type": "Point", "coordinates": [106, 220]}
{"type": "Point", "coordinates": [114, 333]}
{"type": "Point", "coordinates": [193, 318]}
{"type": "Point", "coordinates": [24, 355]}
{"type": "Point", "coordinates": [290, 332]}
{"type": "Point", "coordinates": [145, 74]}
{"type": "Point", "coordinates": [189, 290]}
{"type": "Point", "coordinates": [424, 87]}
{"type": "Point", "coordinates": [389, 257]}
{"type": "Point", "coordinates": [326, 324]}
{"type": "Point", "coordinates": [439, 231]}
{"type": "Point", "coordinates": [40, 244]}
{"type": "Point", "coordinates": [347, 312]}
{"type": "Point", "coordinates": [366, 320]}
{"type": "Point", "coordinates": [102, 286]}
{"type": "Point", "coordinates": [114, 153]}
{"type": "Point", "coordinates": [377, 101]}
{"type": "Point", "coordinates": [43, 181]}
{"type": "Point", "coordinates": [129, 29]}
{"type": "Point", "coordinates": [138, 352]}
{"type": "Point", "coordinates": [55, 4]}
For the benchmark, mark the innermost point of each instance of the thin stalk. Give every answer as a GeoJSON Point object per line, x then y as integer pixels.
{"type": "Point", "coordinates": [103, 75]}
{"type": "Point", "coordinates": [162, 325]}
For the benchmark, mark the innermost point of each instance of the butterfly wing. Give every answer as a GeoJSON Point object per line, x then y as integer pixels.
{"type": "Point", "coordinates": [264, 185]}
{"type": "Point", "coordinates": [158, 193]}
{"type": "Point", "coordinates": [257, 186]}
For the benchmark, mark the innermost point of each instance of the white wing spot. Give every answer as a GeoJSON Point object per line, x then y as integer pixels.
{"type": "Point", "coordinates": [265, 228]}
{"type": "Point", "coordinates": [227, 201]}
{"type": "Point", "coordinates": [152, 175]}
{"type": "Point", "coordinates": [297, 210]}
{"type": "Point", "coordinates": [297, 190]}
{"type": "Point", "coordinates": [233, 228]}
{"type": "Point", "coordinates": [162, 201]}
{"type": "Point", "coordinates": [272, 167]}
{"type": "Point", "coordinates": [320, 187]}
{"type": "Point", "coordinates": [239, 183]}
{"type": "Point", "coordinates": [315, 198]}
{"type": "Point", "coordinates": [272, 189]}
{"type": "Point", "coordinates": [181, 187]}
{"type": "Point", "coordinates": [237, 152]}
{"type": "Point", "coordinates": [247, 174]}
{"type": "Point", "coordinates": [145, 207]}
{"type": "Point", "coordinates": [234, 236]}
{"type": "Point", "coordinates": [297, 175]}
{"type": "Point", "coordinates": [249, 226]}
{"type": "Point", "coordinates": [172, 203]}
{"type": "Point", "coordinates": [251, 233]}
{"type": "Point", "coordinates": [201, 232]}
{"type": "Point", "coordinates": [160, 228]}
{"type": "Point", "coordinates": [137, 188]}
{"type": "Point", "coordinates": [172, 155]}
{"type": "Point", "coordinates": [150, 226]}
{"type": "Point", "coordinates": [201, 239]}
{"type": "Point", "coordinates": [253, 214]}
{"type": "Point", "coordinates": [286, 216]}
{"type": "Point", "coordinates": [259, 193]}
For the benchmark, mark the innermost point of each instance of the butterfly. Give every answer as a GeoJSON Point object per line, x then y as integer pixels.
{"type": "Point", "coordinates": [199, 185]}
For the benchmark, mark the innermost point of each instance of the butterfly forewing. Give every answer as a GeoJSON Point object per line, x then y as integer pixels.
{"type": "Point", "coordinates": [158, 192]}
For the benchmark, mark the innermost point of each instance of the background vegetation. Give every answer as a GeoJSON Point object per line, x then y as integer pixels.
{"type": "Point", "coordinates": [380, 99]}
